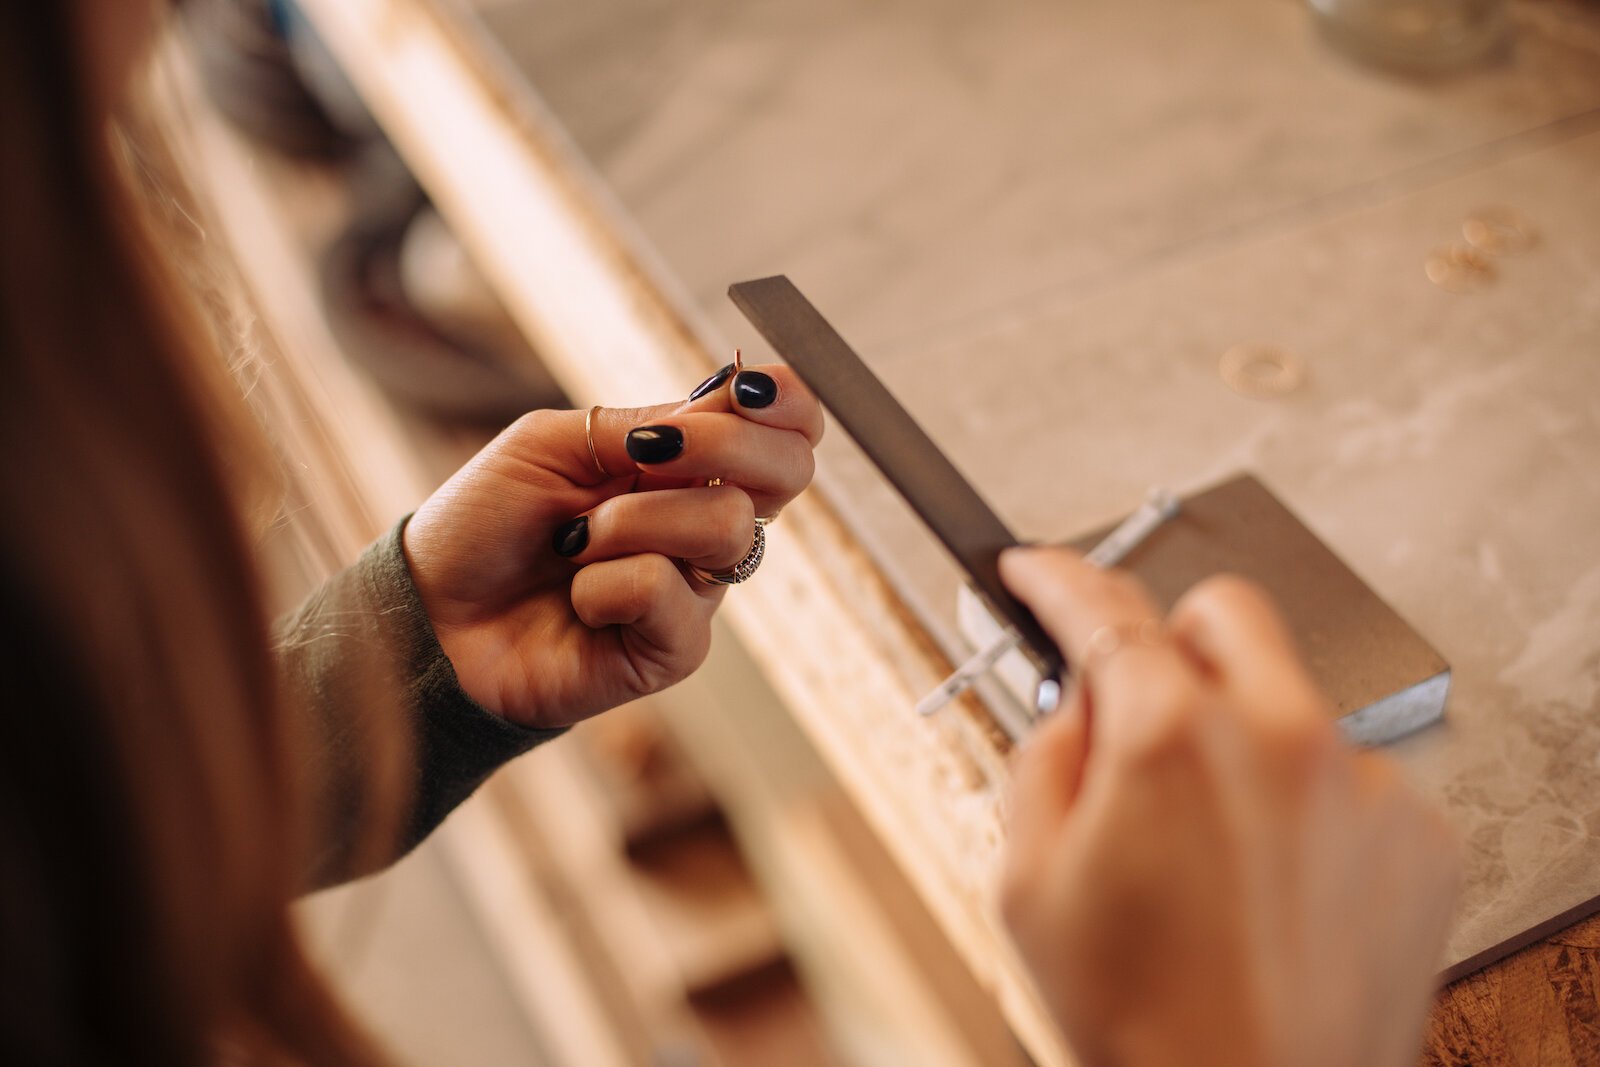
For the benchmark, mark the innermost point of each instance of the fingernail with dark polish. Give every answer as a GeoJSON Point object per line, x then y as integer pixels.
{"type": "Point", "coordinates": [754, 389]}
{"type": "Point", "coordinates": [571, 537]}
{"type": "Point", "coordinates": [654, 444]}
{"type": "Point", "coordinates": [713, 383]}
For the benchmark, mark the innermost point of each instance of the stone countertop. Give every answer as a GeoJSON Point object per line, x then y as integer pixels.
{"type": "Point", "coordinates": [1043, 224]}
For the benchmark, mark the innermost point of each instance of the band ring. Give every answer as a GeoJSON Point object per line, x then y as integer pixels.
{"type": "Point", "coordinates": [588, 435]}
{"type": "Point", "coordinates": [742, 570]}
{"type": "Point", "coordinates": [1112, 638]}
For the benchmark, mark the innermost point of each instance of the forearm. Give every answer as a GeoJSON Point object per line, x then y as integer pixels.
{"type": "Point", "coordinates": [383, 717]}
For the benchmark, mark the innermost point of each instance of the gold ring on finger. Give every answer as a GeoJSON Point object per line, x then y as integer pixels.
{"type": "Point", "coordinates": [594, 454]}
{"type": "Point", "coordinates": [1112, 638]}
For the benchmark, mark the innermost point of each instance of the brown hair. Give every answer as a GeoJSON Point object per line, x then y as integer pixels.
{"type": "Point", "coordinates": [152, 829]}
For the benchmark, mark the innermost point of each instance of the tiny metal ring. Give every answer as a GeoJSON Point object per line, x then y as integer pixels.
{"type": "Point", "coordinates": [712, 483]}
{"type": "Point", "coordinates": [1260, 371]}
{"type": "Point", "coordinates": [588, 435]}
{"type": "Point", "coordinates": [1112, 638]}
{"type": "Point", "coordinates": [742, 570]}
{"type": "Point", "coordinates": [768, 520]}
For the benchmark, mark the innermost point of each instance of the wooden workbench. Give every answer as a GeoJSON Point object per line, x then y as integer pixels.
{"type": "Point", "coordinates": [1045, 224]}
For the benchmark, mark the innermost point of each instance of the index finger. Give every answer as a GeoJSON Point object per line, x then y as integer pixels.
{"type": "Point", "coordinates": [771, 394]}
{"type": "Point", "coordinates": [1234, 627]}
{"type": "Point", "coordinates": [1131, 681]}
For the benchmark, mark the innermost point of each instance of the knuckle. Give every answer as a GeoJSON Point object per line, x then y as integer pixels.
{"type": "Point", "coordinates": [583, 604]}
{"type": "Point", "coordinates": [636, 593]}
{"type": "Point", "coordinates": [681, 655]}
{"type": "Point", "coordinates": [589, 595]}
{"type": "Point", "coordinates": [1187, 615]}
{"type": "Point", "coordinates": [657, 576]}
{"type": "Point", "coordinates": [538, 425]}
{"type": "Point", "coordinates": [808, 463]}
{"type": "Point", "coordinates": [648, 582]}
{"type": "Point", "coordinates": [638, 416]}
{"type": "Point", "coordinates": [1222, 593]}
{"type": "Point", "coordinates": [731, 521]}
{"type": "Point", "coordinates": [800, 466]}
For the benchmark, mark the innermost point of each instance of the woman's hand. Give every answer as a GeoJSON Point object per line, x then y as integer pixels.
{"type": "Point", "coordinates": [1199, 871]}
{"type": "Point", "coordinates": [558, 592]}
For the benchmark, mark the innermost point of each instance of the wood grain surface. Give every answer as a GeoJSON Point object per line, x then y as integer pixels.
{"type": "Point", "coordinates": [1538, 1008]}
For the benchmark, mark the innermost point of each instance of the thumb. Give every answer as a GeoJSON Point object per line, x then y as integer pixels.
{"type": "Point", "coordinates": [1046, 776]}
{"type": "Point", "coordinates": [609, 432]}
{"type": "Point", "coordinates": [588, 445]}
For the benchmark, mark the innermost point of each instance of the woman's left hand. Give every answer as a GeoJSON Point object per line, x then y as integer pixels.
{"type": "Point", "coordinates": [558, 592]}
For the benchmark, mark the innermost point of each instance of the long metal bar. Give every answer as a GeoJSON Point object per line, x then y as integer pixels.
{"type": "Point", "coordinates": [967, 527]}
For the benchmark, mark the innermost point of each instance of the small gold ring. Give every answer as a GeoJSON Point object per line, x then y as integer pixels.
{"type": "Point", "coordinates": [712, 483]}
{"type": "Point", "coordinates": [742, 570]}
{"type": "Point", "coordinates": [1112, 638]}
{"type": "Point", "coordinates": [768, 520]}
{"type": "Point", "coordinates": [588, 435]}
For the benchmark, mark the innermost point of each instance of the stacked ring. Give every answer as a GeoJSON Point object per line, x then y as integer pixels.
{"type": "Point", "coordinates": [742, 570]}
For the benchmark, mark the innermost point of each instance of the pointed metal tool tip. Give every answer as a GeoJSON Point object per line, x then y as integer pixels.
{"type": "Point", "coordinates": [1048, 696]}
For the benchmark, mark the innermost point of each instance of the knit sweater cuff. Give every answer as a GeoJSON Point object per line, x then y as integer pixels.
{"type": "Point", "coordinates": [458, 742]}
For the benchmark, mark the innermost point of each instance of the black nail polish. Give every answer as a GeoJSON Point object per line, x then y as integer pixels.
{"type": "Point", "coordinates": [713, 383]}
{"type": "Point", "coordinates": [754, 389]}
{"type": "Point", "coordinates": [654, 444]}
{"type": "Point", "coordinates": [571, 537]}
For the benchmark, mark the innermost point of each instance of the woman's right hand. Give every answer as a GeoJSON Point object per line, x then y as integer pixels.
{"type": "Point", "coordinates": [1199, 871]}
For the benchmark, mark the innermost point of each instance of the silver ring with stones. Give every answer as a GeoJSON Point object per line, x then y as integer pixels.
{"type": "Point", "coordinates": [742, 570]}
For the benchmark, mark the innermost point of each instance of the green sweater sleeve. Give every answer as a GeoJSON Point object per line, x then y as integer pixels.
{"type": "Point", "coordinates": [360, 658]}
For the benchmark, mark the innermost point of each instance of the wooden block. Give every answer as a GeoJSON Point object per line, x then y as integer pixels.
{"type": "Point", "coordinates": [1382, 677]}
